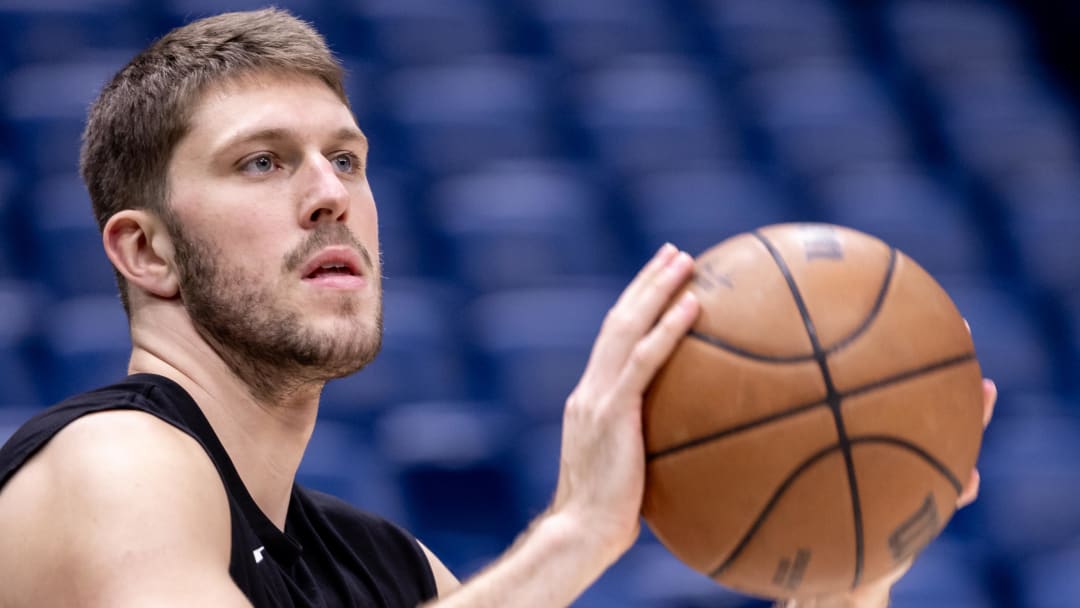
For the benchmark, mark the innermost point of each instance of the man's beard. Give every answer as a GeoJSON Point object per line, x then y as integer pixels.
{"type": "Point", "coordinates": [266, 345]}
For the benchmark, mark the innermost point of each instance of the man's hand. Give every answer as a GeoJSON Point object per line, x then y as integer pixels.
{"type": "Point", "coordinates": [876, 594]}
{"type": "Point", "coordinates": [602, 469]}
{"type": "Point", "coordinates": [594, 516]}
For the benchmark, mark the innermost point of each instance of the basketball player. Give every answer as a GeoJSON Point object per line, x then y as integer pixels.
{"type": "Point", "coordinates": [227, 173]}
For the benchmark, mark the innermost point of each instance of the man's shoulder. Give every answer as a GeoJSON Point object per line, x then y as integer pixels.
{"type": "Point", "coordinates": [143, 392]}
{"type": "Point", "coordinates": [106, 488]}
{"type": "Point", "coordinates": [110, 453]}
{"type": "Point", "coordinates": [123, 440]}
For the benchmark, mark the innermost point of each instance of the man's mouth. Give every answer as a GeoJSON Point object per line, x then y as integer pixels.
{"type": "Point", "coordinates": [330, 269]}
{"type": "Point", "coordinates": [336, 267]}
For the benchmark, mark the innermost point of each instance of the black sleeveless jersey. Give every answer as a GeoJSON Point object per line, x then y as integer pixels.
{"type": "Point", "coordinates": [330, 554]}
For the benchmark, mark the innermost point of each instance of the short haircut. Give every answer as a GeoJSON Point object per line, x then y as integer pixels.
{"type": "Point", "coordinates": [145, 110]}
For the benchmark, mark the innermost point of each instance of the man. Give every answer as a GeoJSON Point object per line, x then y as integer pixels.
{"type": "Point", "coordinates": [227, 173]}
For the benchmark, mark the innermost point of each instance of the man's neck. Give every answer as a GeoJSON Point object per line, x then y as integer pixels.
{"type": "Point", "coordinates": [265, 441]}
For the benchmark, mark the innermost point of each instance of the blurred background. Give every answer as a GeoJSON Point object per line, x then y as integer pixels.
{"type": "Point", "coordinates": [528, 155]}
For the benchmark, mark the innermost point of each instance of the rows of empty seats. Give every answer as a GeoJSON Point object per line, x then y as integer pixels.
{"type": "Point", "coordinates": [528, 155]}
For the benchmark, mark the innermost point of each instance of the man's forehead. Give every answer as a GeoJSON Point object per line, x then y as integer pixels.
{"type": "Point", "coordinates": [247, 104]}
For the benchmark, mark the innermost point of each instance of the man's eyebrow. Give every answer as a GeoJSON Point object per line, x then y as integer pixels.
{"type": "Point", "coordinates": [246, 137]}
{"type": "Point", "coordinates": [342, 135]}
{"type": "Point", "coordinates": [351, 134]}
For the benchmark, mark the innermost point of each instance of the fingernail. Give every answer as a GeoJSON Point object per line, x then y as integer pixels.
{"type": "Point", "coordinates": [665, 249]}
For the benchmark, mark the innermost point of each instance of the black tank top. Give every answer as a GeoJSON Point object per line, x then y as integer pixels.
{"type": "Point", "coordinates": [330, 554]}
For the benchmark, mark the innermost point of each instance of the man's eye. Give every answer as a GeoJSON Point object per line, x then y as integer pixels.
{"type": "Point", "coordinates": [346, 163]}
{"type": "Point", "coordinates": [260, 164]}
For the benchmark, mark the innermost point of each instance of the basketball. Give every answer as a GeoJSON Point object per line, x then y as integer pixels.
{"type": "Point", "coordinates": [814, 429]}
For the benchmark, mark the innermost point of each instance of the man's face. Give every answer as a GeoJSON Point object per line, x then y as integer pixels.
{"type": "Point", "coordinates": [276, 232]}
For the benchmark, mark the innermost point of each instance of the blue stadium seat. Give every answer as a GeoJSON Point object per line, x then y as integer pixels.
{"type": "Point", "coordinates": [649, 576]}
{"type": "Point", "coordinates": [698, 208]}
{"type": "Point", "coordinates": [425, 32]}
{"type": "Point", "coordinates": [1049, 580]}
{"type": "Point", "coordinates": [1045, 405]}
{"type": "Point", "coordinates": [1030, 466]}
{"type": "Point", "coordinates": [20, 303]}
{"type": "Point", "coordinates": [589, 34]}
{"type": "Point", "coordinates": [61, 30]}
{"type": "Point", "coordinates": [764, 35]}
{"type": "Point", "coordinates": [997, 113]}
{"type": "Point", "coordinates": [340, 460]}
{"type": "Point", "coordinates": [1043, 217]}
{"type": "Point", "coordinates": [67, 243]}
{"type": "Point", "coordinates": [537, 341]}
{"type": "Point", "coordinates": [1071, 301]}
{"type": "Point", "coordinates": [451, 461]}
{"type": "Point", "coordinates": [421, 357]}
{"type": "Point", "coordinates": [648, 112]}
{"type": "Point", "coordinates": [361, 87]}
{"type": "Point", "coordinates": [906, 208]}
{"type": "Point", "coordinates": [46, 104]}
{"type": "Point", "coordinates": [1001, 123]}
{"type": "Point", "coordinates": [521, 224]}
{"type": "Point", "coordinates": [458, 116]}
{"type": "Point", "coordinates": [88, 342]}
{"type": "Point", "coordinates": [1008, 338]}
{"type": "Point", "coordinates": [12, 243]}
{"type": "Point", "coordinates": [943, 40]}
{"type": "Point", "coordinates": [536, 454]}
{"type": "Point", "coordinates": [403, 238]}
{"type": "Point", "coordinates": [947, 573]}
{"type": "Point", "coordinates": [182, 11]}
{"type": "Point", "coordinates": [826, 116]}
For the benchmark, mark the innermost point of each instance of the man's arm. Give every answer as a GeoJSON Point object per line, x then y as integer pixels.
{"type": "Point", "coordinates": [119, 509]}
{"type": "Point", "coordinates": [594, 517]}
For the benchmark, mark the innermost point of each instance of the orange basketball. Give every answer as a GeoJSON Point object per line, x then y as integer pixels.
{"type": "Point", "coordinates": [814, 429]}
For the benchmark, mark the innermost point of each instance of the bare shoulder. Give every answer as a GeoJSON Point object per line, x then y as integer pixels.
{"type": "Point", "coordinates": [114, 500]}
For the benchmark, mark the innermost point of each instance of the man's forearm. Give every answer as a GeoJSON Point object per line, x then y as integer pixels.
{"type": "Point", "coordinates": [550, 565]}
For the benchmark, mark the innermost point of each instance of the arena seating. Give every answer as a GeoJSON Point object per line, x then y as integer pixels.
{"type": "Point", "coordinates": [528, 155]}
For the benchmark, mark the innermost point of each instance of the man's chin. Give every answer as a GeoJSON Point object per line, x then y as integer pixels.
{"type": "Point", "coordinates": [345, 356]}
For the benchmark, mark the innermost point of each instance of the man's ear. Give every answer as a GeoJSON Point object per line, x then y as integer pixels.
{"type": "Point", "coordinates": [140, 247]}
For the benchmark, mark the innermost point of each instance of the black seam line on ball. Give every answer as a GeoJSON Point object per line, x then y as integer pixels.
{"type": "Point", "coordinates": [769, 506]}
{"type": "Point", "coordinates": [798, 409]}
{"type": "Point", "coordinates": [735, 350]}
{"type": "Point", "coordinates": [711, 437]}
{"type": "Point", "coordinates": [920, 452]}
{"type": "Point", "coordinates": [908, 375]}
{"type": "Point", "coordinates": [874, 310]}
{"type": "Point", "coordinates": [834, 400]}
{"type": "Point", "coordinates": [859, 331]}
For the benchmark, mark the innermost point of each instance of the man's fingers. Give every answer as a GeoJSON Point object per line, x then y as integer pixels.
{"type": "Point", "coordinates": [653, 350]}
{"type": "Point", "coordinates": [644, 299]}
{"type": "Point", "coordinates": [971, 490]}
{"type": "Point", "coordinates": [636, 312]}
{"type": "Point", "coordinates": [990, 394]}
